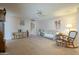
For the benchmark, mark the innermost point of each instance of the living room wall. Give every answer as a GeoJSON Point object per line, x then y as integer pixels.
{"type": "Point", "coordinates": [26, 25]}
{"type": "Point", "coordinates": [11, 25]}
{"type": "Point", "coordinates": [66, 16]}
{"type": "Point", "coordinates": [49, 14]}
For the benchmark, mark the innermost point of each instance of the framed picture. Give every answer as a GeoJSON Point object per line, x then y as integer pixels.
{"type": "Point", "coordinates": [58, 24]}
{"type": "Point", "coordinates": [22, 22]}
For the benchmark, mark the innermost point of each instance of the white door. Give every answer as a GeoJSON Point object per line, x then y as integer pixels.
{"type": "Point", "coordinates": [33, 26]}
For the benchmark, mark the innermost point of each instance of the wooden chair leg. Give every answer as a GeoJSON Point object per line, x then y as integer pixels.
{"type": "Point", "coordinates": [57, 43]}
{"type": "Point", "coordinates": [73, 44]}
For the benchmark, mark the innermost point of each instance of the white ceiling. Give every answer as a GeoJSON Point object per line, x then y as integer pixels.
{"type": "Point", "coordinates": [30, 10]}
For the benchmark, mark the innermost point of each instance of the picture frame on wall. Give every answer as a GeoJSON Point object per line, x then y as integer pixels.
{"type": "Point", "coordinates": [22, 22]}
{"type": "Point", "coordinates": [58, 24]}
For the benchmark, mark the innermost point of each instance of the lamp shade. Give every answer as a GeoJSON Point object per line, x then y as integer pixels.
{"type": "Point", "coordinates": [68, 25]}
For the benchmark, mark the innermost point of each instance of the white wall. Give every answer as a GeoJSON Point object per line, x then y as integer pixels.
{"type": "Point", "coordinates": [64, 16]}
{"type": "Point", "coordinates": [26, 25]}
{"type": "Point", "coordinates": [64, 12]}
{"type": "Point", "coordinates": [68, 16]}
{"type": "Point", "coordinates": [49, 23]}
{"type": "Point", "coordinates": [11, 25]}
{"type": "Point", "coordinates": [78, 22]}
{"type": "Point", "coordinates": [46, 24]}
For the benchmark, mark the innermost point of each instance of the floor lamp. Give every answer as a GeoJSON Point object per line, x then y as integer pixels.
{"type": "Point", "coordinates": [69, 26]}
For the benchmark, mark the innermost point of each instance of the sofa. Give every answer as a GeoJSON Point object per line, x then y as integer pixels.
{"type": "Point", "coordinates": [48, 34]}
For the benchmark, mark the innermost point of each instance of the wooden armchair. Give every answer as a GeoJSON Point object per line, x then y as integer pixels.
{"type": "Point", "coordinates": [66, 41]}
{"type": "Point", "coordinates": [60, 39]}
{"type": "Point", "coordinates": [70, 39]}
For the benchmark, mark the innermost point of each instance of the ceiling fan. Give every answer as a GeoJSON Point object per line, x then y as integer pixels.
{"type": "Point", "coordinates": [40, 13]}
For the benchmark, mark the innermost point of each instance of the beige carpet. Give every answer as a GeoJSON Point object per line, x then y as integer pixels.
{"type": "Point", "coordinates": [37, 46]}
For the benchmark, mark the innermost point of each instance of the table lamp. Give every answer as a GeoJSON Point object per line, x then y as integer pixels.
{"type": "Point", "coordinates": [69, 26]}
